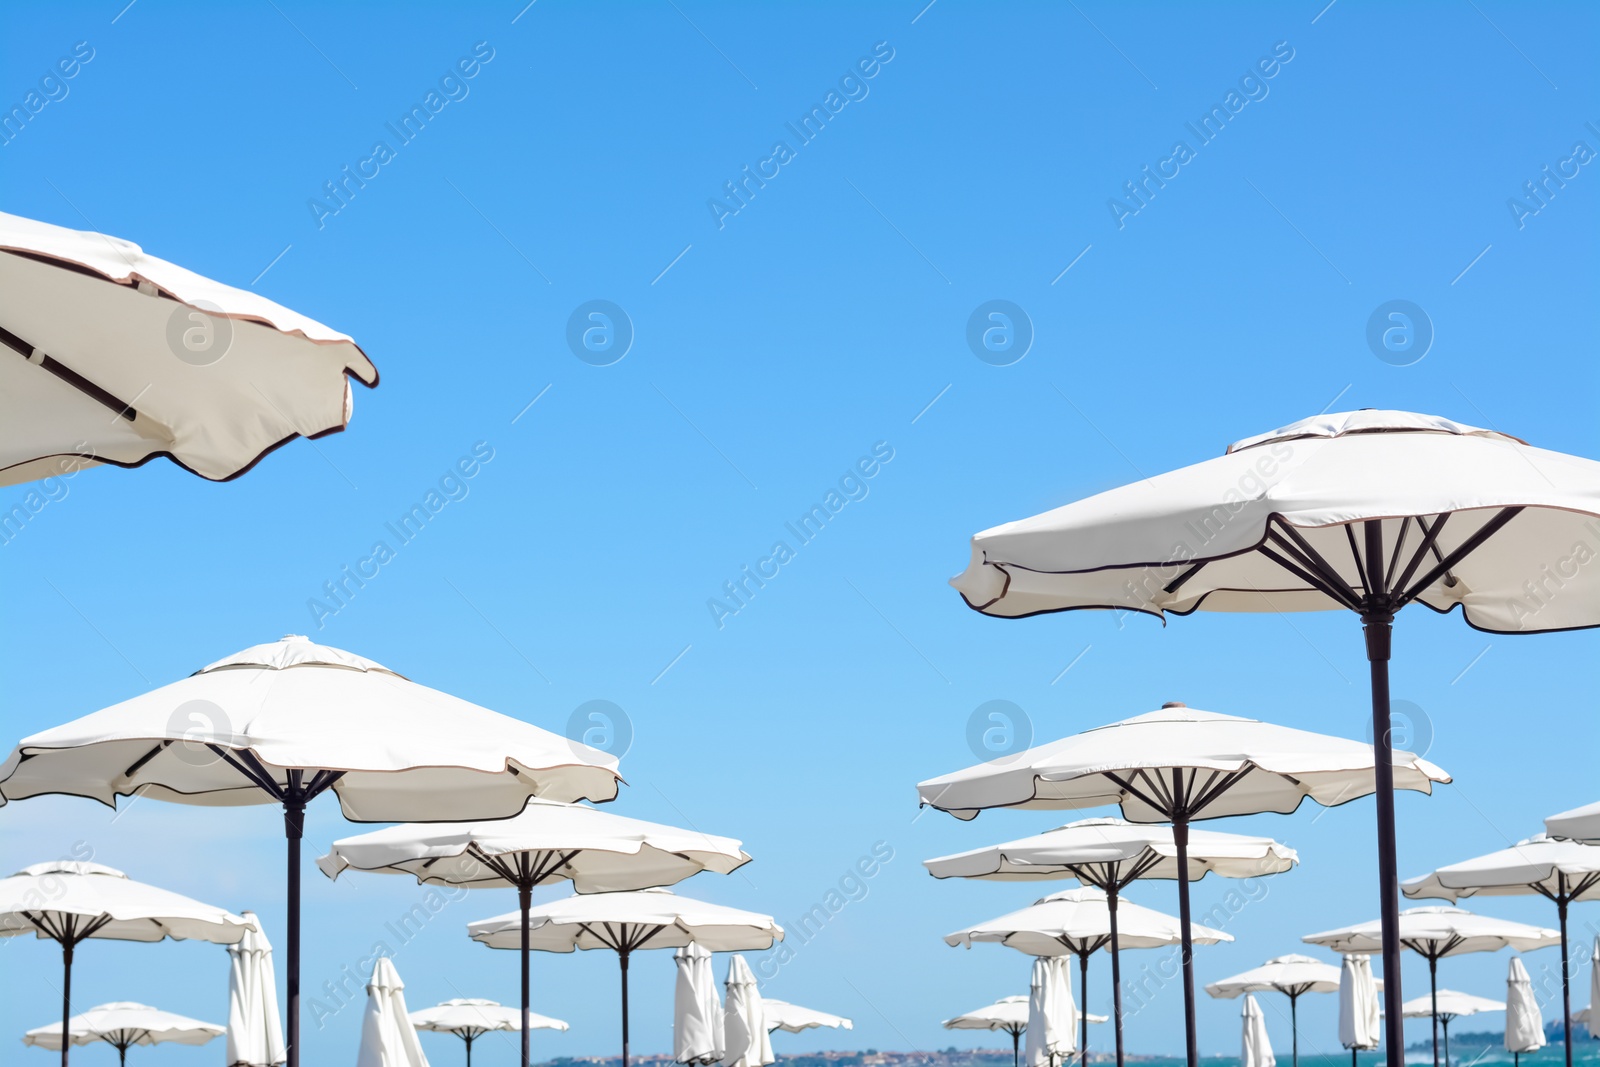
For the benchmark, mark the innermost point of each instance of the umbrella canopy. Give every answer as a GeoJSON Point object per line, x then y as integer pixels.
{"type": "Point", "coordinates": [1358, 1004]}
{"type": "Point", "coordinates": [1451, 1004]}
{"type": "Point", "coordinates": [1052, 1015]}
{"type": "Point", "coordinates": [745, 1024]}
{"type": "Point", "coordinates": [69, 902]}
{"type": "Point", "coordinates": [1290, 975]}
{"type": "Point", "coordinates": [1009, 1014]}
{"type": "Point", "coordinates": [255, 1032]}
{"type": "Point", "coordinates": [388, 1039]}
{"type": "Point", "coordinates": [1560, 870]}
{"type": "Point", "coordinates": [1256, 1050]}
{"type": "Point", "coordinates": [1579, 824]}
{"type": "Point", "coordinates": [1435, 933]}
{"type": "Point", "coordinates": [781, 1015]}
{"type": "Point", "coordinates": [470, 1018]}
{"type": "Point", "coordinates": [1177, 765]}
{"type": "Point", "coordinates": [548, 842]}
{"type": "Point", "coordinates": [1367, 511]}
{"type": "Point", "coordinates": [115, 356]}
{"type": "Point", "coordinates": [123, 1025]}
{"type": "Point", "coordinates": [1524, 1021]}
{"type": "Point", "coordinates": [284, 722]}
{"type": "Point", "coordinates": [1111, 854]}
{"type": "Point", "coordinates": [698, 1033]}
{"type": "Point", "coordinates": [625, 923]}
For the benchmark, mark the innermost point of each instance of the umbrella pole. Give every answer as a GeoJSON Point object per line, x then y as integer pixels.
{"type": "Point", "coordinates": [66, 995]}
{"type": "Point", "coordinates": [622, 954]}
{"type": "Point", "coordinates": [1378, 624]}
{"type": "Point", "coordinates": [1433, 986]}
{"type": "Point", "coordinates": [1447, 1042]}
{"type": "Point", "coordinates": [1016, 1044]}
{"type": "Point", "coordinates": [1294, 1028]}
{"type": "Point", "coordinates": [1083, 1023]}
{"type": "Point", "coordinates": [1180, 838]}
{"type": "Point", "coordinates": [1566, 989]}
{"type": "Point", "coordinates": [524, 902]}
{"type": "Point", "coordinates": [469, 1046]}
{"type": "Point", "coordinates": [1116, 972]}
{"type": "Point", "coordinates": [294, 820]}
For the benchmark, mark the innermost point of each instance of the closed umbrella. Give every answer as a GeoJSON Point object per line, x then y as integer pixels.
{"type": "Point", "coordinates": [1557, 869]}
{"type": "Point", "coordinates": [792, 1018]}
{"type": "Point", "coordinates": [1052, 1016]}
{"type": "Point", "coordinates": [1358, 1004]}
{"type": "Point", "coordinates": [387, 1037]}
{"type": "Point", "coordinates": [123, 1025]}
{"type": "Point", "coordinates": [255, 1031]}
{"type": "Point", "coordinates": [469, 1018]}
{"type": "Point", "coordinates": [1177, 765]}
{"type": "Point", "coordinates": [1524, 1021]}
{"type": "Point", "coordinates": [1293, 976]}
{"type": "Point", "coordinates": [1594, 989]}
{"type": "Point", "coordinates": [113, 356]}
{"type": "Point", "coordinates": [1077, 922]}
{"type": "Point", "coordinates": [748, 1036]}
{"type": "Point", "coordinates": [1446, 1005]}
{"type": "Point", "coordinates": [625, 923]}
{"type": "Point", "coordinates": [1579, 824]}
{"type": "Point", "coordinates": [1366, 511]}
{"type": "Point", "coordinates": [697, 1026]}
{"type": "Point", "coordinates": [1009, 1015]}
{"type": "Point", "coordinates": [549, 842]}
{"type": "Point", "coordinates": [1256, 1048]}
{"type": "Point", "coordinates": [1110, 854]}
{"type": "Point", "coordinates": [1434, 933]}
{"type": "Point", "coordinates": [284, 722]}
{"type": "Point", "coordinates": [70, 901]}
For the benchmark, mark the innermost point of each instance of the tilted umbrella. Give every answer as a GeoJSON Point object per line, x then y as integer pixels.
{"type": "Point", "coordinates": [1008, 1014]}
{"type": "Point", "coordinates": [1434, 933]}
{"type": "Point", "coordinates": [1524, 1021]}
{"type": "Point", "coordinates": [255, 1030]}
{"type": "Point", "coordinates": [469, 1018]}
{"type": "Point", "coordinates": [1077, 922]}
{"type": "Point", "coordinates": [1579, 824]}
{"type": "Point", "coordinates": [1358, 1004]}
{"type": "Point", "coordinates": [1366, 511]}
{"type": "Point", "coordinates": [1052, 1016]}
{"type": "Point", "coordinates": [698, 1034]}
{"type": "Point", "coordinates": [1559, 870]}
{"type": "Point", "coordinates": [626, 923]}
{"type": "Point", "coordinates": [792, 1018]}
{"type": "Point", "coordinates": [1446, 1005]}
{"type": "Point", "coordinates": [1177, 765]}
{"type": "Point", "coordinates": [282, 723]}
{"type": "Point", "coordinates": [1110, 854]}
{"type": "Point", "coordinates": [69, 901]}
{"type": "Point", "coordinates": [1256, 1046]}
{"type": "Point", "coordinates": [1293, 976]}
{"type": "Point", "coordinates": [388, 1039]}
{"type": "Point", "coordinates": [749, 1038]}
{"type": "Point", "coordinates": [113, 356]}
{"type": "Point", "coordinates": [123, 1025]}
{"type": "Point", "coordinates": [596, 851]}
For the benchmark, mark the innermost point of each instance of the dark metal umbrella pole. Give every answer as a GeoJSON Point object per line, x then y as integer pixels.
{"type": "Point", "coordinates": [1180, 838]}
{"type": "Point", "coordinates": [1083, 1022]}
{"type": "Point", "coordinates": [66, 998]}
{"type": "Point", "coordinates": [1294, 1028]}
{"type": "Point", "coordinates": [1016, 1047]}
{"type": "Point", "coordinates": [622, 957]}
{"type": "Point", "coordinates": [1433, 994]}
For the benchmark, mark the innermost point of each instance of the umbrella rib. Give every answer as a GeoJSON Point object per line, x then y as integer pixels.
{"type": "Point", "coordinates": [257, 778]}
{"type": "Point", "coordinates": [47, 362]}
{"type": "Point", "coordinates": [1429, 535]}
{"type": "Point", "coordinates": [1178, 582]}
{"type": "Point", "coordinates": [640, 943]}
{"type": "Point", "coordinates": [1310, 557]}
{"type": "Point", "coordinates": [1462, 551]}
{"type": "Point", "coordinates": [135, 766]}
{"type": "Point", "coordinates": [1136, 791]}
{"type": "Point", "coordinates": [1317, 583]}
{"type": "Point", "coordinates": [1232, 779]}
{"type": "Point", "coordinates": [1399, 546]}
{"type": "Point", "coordinates": [1361, 567]}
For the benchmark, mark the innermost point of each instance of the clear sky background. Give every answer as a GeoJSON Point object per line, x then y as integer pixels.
{"type": "Point", "coordinates": [827, 315]}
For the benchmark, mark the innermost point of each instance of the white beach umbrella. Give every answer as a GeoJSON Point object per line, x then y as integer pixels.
{"type": "Point", "coordinates": [1367, 511]}
{"type": "Point", "coordinates": [1078, 923]}
{"type": "Point", "coordinates": [1359, 1027]}
{"type": "Point", "coordinates": [1110, 854]}
{"type": "Point", "coordinates": [282, 723]}
{"type": "Point", "coordinates": [123, 1025]}
{"type": "Point", "coordinates": [749, 1038]}
{"type": "Point", "coordinates": [1008, 1014]}
{"type": "Point", "coordinates": [1293, 976]}
{"type": "Point", "coordinates": [792, 1018]}
{"type": "Point", "coordinates": [698, 1033]}
{"type": "Point", "coordinates": [627, 922]}
{"type": "Point", "coordinates": [1052, 1015]}
{"type": "Point", "coordinates": [469, 1018]}
{"type": "Point", "coordinates": [387, 1037]}
{"type": "Point", "coordinates": [1579, 824]}
{"type": "Point", "coordinates": [1435, 933]}
{"type": "Point", "coordinates": [1256, 1050]}
{"type": "Point", "coordinates": [69, 901]}
{"type": "Point", "coordinates": [114, 356]}
{"type": "Point", "coordinates": [1524, 1020]}
{"type": "Point", "coordinates": [1178, 765]}
{"type": "Point", "coordinates": [1446, 1005]}
{"type": "Point", "coordinates": [596, 851]}
{"type": "Point", "coordinates": [1557, 869]}
{"type": "Point", "coordinates": [255, 1030]}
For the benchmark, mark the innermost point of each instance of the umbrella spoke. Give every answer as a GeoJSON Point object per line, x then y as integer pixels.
{"type": "Point", "coordinates": [257, 777]}
{"type": "Point", "coordinates": [1312, 558]}
{"type": "Point", "coordinates": [1336, 592]}
{"type": "Point", "coordinates": [1461, 552]}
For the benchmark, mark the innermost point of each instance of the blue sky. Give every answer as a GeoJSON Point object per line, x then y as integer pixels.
{"type": "Point", "coordinates": [772, 348]}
